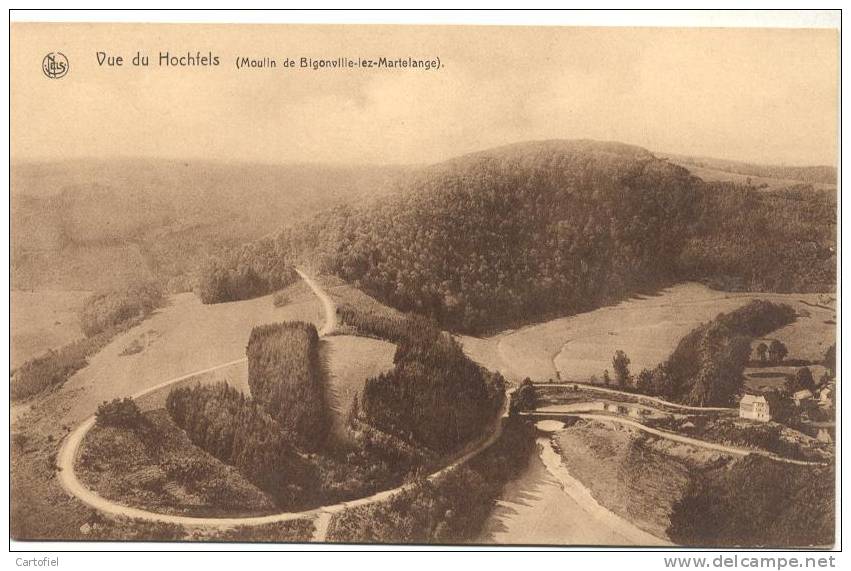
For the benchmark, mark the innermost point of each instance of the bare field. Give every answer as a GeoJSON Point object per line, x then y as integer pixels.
{"type": "Point", "coordinates": [147, 468]}
{"type": "Point", "coordinates": [350, 361]}
{"type": "Point", "coordinates": [716, 175]}
{"type": "Point", "coordinates": [43, 320]}
{"type": "Point", "coordinates": [647, 328]}
{"type": "Point", "coordinates": [80, 267]}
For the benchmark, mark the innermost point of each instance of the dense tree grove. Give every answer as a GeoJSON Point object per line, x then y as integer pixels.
{"type": "Point", "coordinates": [243, 273]}
{"type": "Point", "coordinates": [749, 240]}
{"type": "Point", "coordinates": [284, 375]}
{"type": "Point", "coordinates": [524, 398]}
{"type": "Point", "coordinates": [706, 367]}
{"type": "Point", "coordinates": [434, 396]}
{"type": "Point", "coordinates": [501, 235]}
{"type": "Point", "coordinates": [757, 502]}
{"type": "Point", "coordinates": [106, 310]}
{"type": "Point", "coordinates": [777, 351]}
{"type": "Point", "coordinates": [800, 381]}
{"type": "Point", "coordinates": [238, 430]}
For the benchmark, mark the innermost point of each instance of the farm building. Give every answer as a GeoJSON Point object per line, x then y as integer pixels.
{"type": "Point", "coordinates": [755, 407]}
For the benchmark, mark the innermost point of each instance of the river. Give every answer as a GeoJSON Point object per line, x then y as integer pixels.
{"type": "Point", "coordinates": [547, 506]}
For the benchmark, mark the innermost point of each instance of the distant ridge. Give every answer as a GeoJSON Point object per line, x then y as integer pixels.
{"type": "Point", "coordinates": [815, 174]}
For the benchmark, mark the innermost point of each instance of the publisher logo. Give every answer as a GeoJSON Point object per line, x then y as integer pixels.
{"type": "Point", "coordinates": [55, 65]}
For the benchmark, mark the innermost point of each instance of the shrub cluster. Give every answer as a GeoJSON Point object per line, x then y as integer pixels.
{"type": "Point", "coordinates": [121, 413]}
{"type": "Point", "coordinates": [105, 310]}
{"type": "Point", "coordinates": [243, 273]}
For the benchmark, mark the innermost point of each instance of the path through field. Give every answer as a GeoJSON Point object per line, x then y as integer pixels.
{"type": "Point", "coordinates": [647, 328]}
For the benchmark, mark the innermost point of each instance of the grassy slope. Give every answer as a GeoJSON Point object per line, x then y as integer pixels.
{"type": "Point", "coordinates": [350, 361]}
{"type": "Point", "coordinates": [43, 320]}
{"type": "Point", "coordinates": [711, 175]}
{"type": "Point", "coordinates": [634, 481]}
{"type": "Point", "coordinates": [188, 337]}
{"type": "Point", "coordinates": [772, 176]}
{"type": "Point", "coordinates": [79, 267]}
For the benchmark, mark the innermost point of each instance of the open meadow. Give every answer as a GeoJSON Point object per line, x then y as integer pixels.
{"type": "Point", "coordinates": [646, 327]}
{"type": "Point", "coordinates": [43, 320]}
{"type": "Point", "coordinates": [349, 361]}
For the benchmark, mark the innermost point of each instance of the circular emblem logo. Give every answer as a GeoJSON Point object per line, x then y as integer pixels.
{"type": "Point", "coordinates": [55, 65]}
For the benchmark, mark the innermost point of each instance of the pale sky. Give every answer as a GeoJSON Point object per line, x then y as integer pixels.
{"type": "Point", "coordinates": [766, 95]}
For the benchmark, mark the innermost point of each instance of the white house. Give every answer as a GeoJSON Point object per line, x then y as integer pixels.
{"type": "Point", "coordinates": [755, 407]}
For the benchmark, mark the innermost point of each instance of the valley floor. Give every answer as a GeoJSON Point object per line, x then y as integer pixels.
{"type": "Point", "coordinates": [629, 504]}
{"type": "Point", "coordinates": [647, 328]}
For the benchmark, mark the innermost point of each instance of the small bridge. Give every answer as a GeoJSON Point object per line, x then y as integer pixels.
{"type": "Point", "coordinates": [603, 407]}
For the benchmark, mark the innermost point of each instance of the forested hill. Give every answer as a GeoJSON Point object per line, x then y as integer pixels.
{"type": "Point", "coordinates": [524, 231]}
{"type": "Point", "coordinates": [500, 235]}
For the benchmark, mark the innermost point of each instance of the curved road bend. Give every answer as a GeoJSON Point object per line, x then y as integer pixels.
{"type": "Point", "coordinates": [70, 448]}
{"type": "Point", "coordinates": [735, 450]}
{"type": "Point", "coordinates": [328, 305]}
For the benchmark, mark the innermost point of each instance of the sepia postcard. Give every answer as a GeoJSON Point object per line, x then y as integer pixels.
{"type": "Point", "coordinates": [424, 285]}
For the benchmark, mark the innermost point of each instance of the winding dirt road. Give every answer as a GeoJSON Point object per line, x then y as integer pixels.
{"type": "Point", "coordinates": [69, 451]}
{"type": "Point", "coordinates": [322, 515]}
